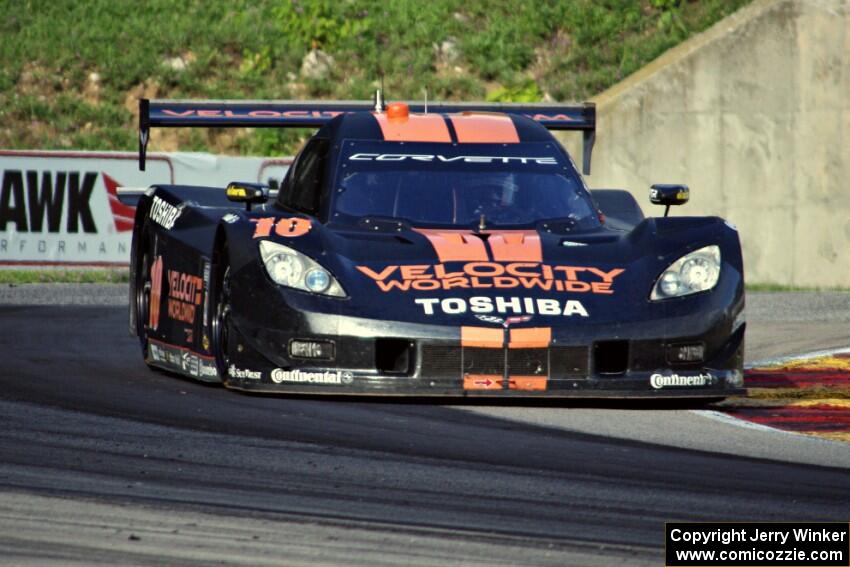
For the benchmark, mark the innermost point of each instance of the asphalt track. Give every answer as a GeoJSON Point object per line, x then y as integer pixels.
{"type": "Point", "coordinates": [103, 461]}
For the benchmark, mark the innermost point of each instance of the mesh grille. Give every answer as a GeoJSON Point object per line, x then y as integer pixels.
{"type": "Point", "coordinates": [528, 362]}
{"type": "Point", "coordinates": [441, 361]}
{"type": "Point", "coordinates": [484, 361]}
{"type": "Point", "coordinates": [568, 362]}
{"type": "Point", "coordinates": [454, 361]}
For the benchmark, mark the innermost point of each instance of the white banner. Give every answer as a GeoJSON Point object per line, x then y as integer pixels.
{"type": "Point", "coordinates": [61, 207]}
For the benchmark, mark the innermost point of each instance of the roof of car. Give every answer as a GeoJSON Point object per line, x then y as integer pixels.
{"type": "Point", "coordinates": [466, 127]}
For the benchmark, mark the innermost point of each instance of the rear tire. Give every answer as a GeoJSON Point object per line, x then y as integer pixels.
{"type": "Point", "coordinates": [221, 315]}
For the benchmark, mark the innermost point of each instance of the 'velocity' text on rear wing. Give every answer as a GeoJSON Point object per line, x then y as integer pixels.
{"type": "Point", "coordinates": [312, 114]}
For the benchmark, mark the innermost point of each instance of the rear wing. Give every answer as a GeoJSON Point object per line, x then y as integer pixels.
{"type": "Point", "coordinates": [307, 114]}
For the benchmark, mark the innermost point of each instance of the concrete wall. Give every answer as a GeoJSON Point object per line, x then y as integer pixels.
{"type": "Point", "coordinates": [754, 115]}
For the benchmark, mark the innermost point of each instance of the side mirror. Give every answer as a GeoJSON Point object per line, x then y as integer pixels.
{"type": "Point", "coordinates": [247, 193]}
{"type": "Point", "coordinates": [669, 195]}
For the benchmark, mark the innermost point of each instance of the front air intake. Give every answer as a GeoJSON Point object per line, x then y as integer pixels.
{"type": "Point", "coordinates": [611, 357]}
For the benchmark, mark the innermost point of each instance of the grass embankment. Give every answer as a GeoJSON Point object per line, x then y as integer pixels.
{"type": "Point", "coordinates": [71, 71]}
{"type": "Point", "coordinates": [117, 275]}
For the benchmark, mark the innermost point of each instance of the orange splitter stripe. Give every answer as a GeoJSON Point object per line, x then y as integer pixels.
{"type": "Point", "coordinates": [495, 382]}
{"type": "Point", "coordinates": [482, 337]}
{"type": "Point", "coordinates": [531, 337]}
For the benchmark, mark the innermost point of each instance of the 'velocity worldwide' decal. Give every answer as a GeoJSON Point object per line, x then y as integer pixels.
{"type": "Point", "coordinates": [262, 113]}
{"type": "Point", "coordinates": [494, 275]}
{"type": "Point", "coordinates": [184, 296]}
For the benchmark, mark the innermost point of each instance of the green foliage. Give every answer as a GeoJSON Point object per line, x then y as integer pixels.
{"type": "Point", "coordinates": [322, 24]}
{"type": "Point", "coordinates": [16, 277]}
{"type": "Point", "coordinates": [527, 91]}
{"type": "Point", "coordinates": [504, 50]}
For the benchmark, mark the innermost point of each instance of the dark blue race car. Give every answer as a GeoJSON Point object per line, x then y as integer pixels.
{"type": "Point", "coordinates": [450, 250]}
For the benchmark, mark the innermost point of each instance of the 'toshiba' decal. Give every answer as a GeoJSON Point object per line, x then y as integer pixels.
{"type": "Point", "coordinates": [518, 305]}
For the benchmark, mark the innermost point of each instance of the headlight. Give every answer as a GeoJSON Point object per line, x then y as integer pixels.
{"type": "Point", "coordinates": [692, 273]}
{"type": "Point", "coordinates": [293, 269]}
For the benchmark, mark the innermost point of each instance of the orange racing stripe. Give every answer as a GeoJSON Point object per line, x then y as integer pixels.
{"type": "Point", "coordinates": [484, 128]}
{"type": "Point", "coordinates": [455, 245]}
{"type": "Point", "coordinates": [466, 246]}
{"type": "Point", "coordinates": [414, 128]}
{"type": "Point", "coordinates": [515, 245]}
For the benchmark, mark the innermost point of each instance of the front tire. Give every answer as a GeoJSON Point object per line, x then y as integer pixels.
{"type": "Point", "coordinates": [221, 317]}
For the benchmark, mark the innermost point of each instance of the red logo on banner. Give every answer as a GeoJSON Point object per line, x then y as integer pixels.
{"type": "Point", "coordinates": [123, 215]}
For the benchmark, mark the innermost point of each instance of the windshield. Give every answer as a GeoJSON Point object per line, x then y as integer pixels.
{"type": "Point", "coordinates": [442, 184]}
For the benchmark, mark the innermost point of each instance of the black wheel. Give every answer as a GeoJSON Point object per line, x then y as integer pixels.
{"type": "Point", "coordinates": [145, 288]}
{"type": "Point", "coordinates": [221, 317]}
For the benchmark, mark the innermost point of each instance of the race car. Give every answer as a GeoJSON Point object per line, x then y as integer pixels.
{"type": "Point", "coordinates": [416, 249]}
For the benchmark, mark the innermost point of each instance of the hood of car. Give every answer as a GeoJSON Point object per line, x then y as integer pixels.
{"type": "Point", "coordinates": [461, 276]}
